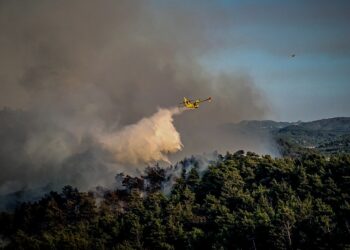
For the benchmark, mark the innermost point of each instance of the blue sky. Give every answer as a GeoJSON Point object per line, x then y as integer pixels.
{"type": "Point", "coordinates": [263, 34]}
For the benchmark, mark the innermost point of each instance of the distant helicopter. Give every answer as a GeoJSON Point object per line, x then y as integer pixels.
{"type": "Point", "coordinates": [193, 104]}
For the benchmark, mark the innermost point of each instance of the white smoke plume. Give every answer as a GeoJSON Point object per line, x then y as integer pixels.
{"type": "Point", "coordinates": [147, 141]}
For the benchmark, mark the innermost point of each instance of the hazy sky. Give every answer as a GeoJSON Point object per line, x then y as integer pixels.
{"type": "Point", "coordinates": [47, 45]}
{"type": "Point", "coordinates": [315, 83]}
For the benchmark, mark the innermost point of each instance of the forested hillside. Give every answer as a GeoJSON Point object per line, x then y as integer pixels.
{"type": "Point", "coordinates": [241, 201]}
{"type": "Point", "coordinates": [326, 136]}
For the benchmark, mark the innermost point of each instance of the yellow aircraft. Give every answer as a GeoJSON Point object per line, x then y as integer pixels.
{"type": "Point", "coordinates": [193, 104]}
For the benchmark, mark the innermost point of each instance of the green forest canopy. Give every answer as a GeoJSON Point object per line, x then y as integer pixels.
{"type": "Point", "coordinates": [241, 201]}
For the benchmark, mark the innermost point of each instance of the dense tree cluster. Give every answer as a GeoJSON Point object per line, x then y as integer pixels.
{"type": "Point", "coordinates": [241, 201]}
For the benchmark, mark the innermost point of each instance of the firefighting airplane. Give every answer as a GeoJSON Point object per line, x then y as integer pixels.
{"type": "Point", "coordinates": [193, 104]}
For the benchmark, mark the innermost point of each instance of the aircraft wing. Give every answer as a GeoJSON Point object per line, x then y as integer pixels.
{"type": "Point", "coordinates": [208, 99]}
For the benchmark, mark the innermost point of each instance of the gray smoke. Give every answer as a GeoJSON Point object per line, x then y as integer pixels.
{"type": "Point", "coordinates": [81, 69]}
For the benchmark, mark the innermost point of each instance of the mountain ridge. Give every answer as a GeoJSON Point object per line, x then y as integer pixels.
{"type": "Point", "coordinates": [328, 136]}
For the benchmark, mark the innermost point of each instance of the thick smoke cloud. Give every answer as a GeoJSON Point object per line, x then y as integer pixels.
{"type": "Point", "coordinates": [82, 69]}
{"type": "Point", "coordinates": [147, 141]}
